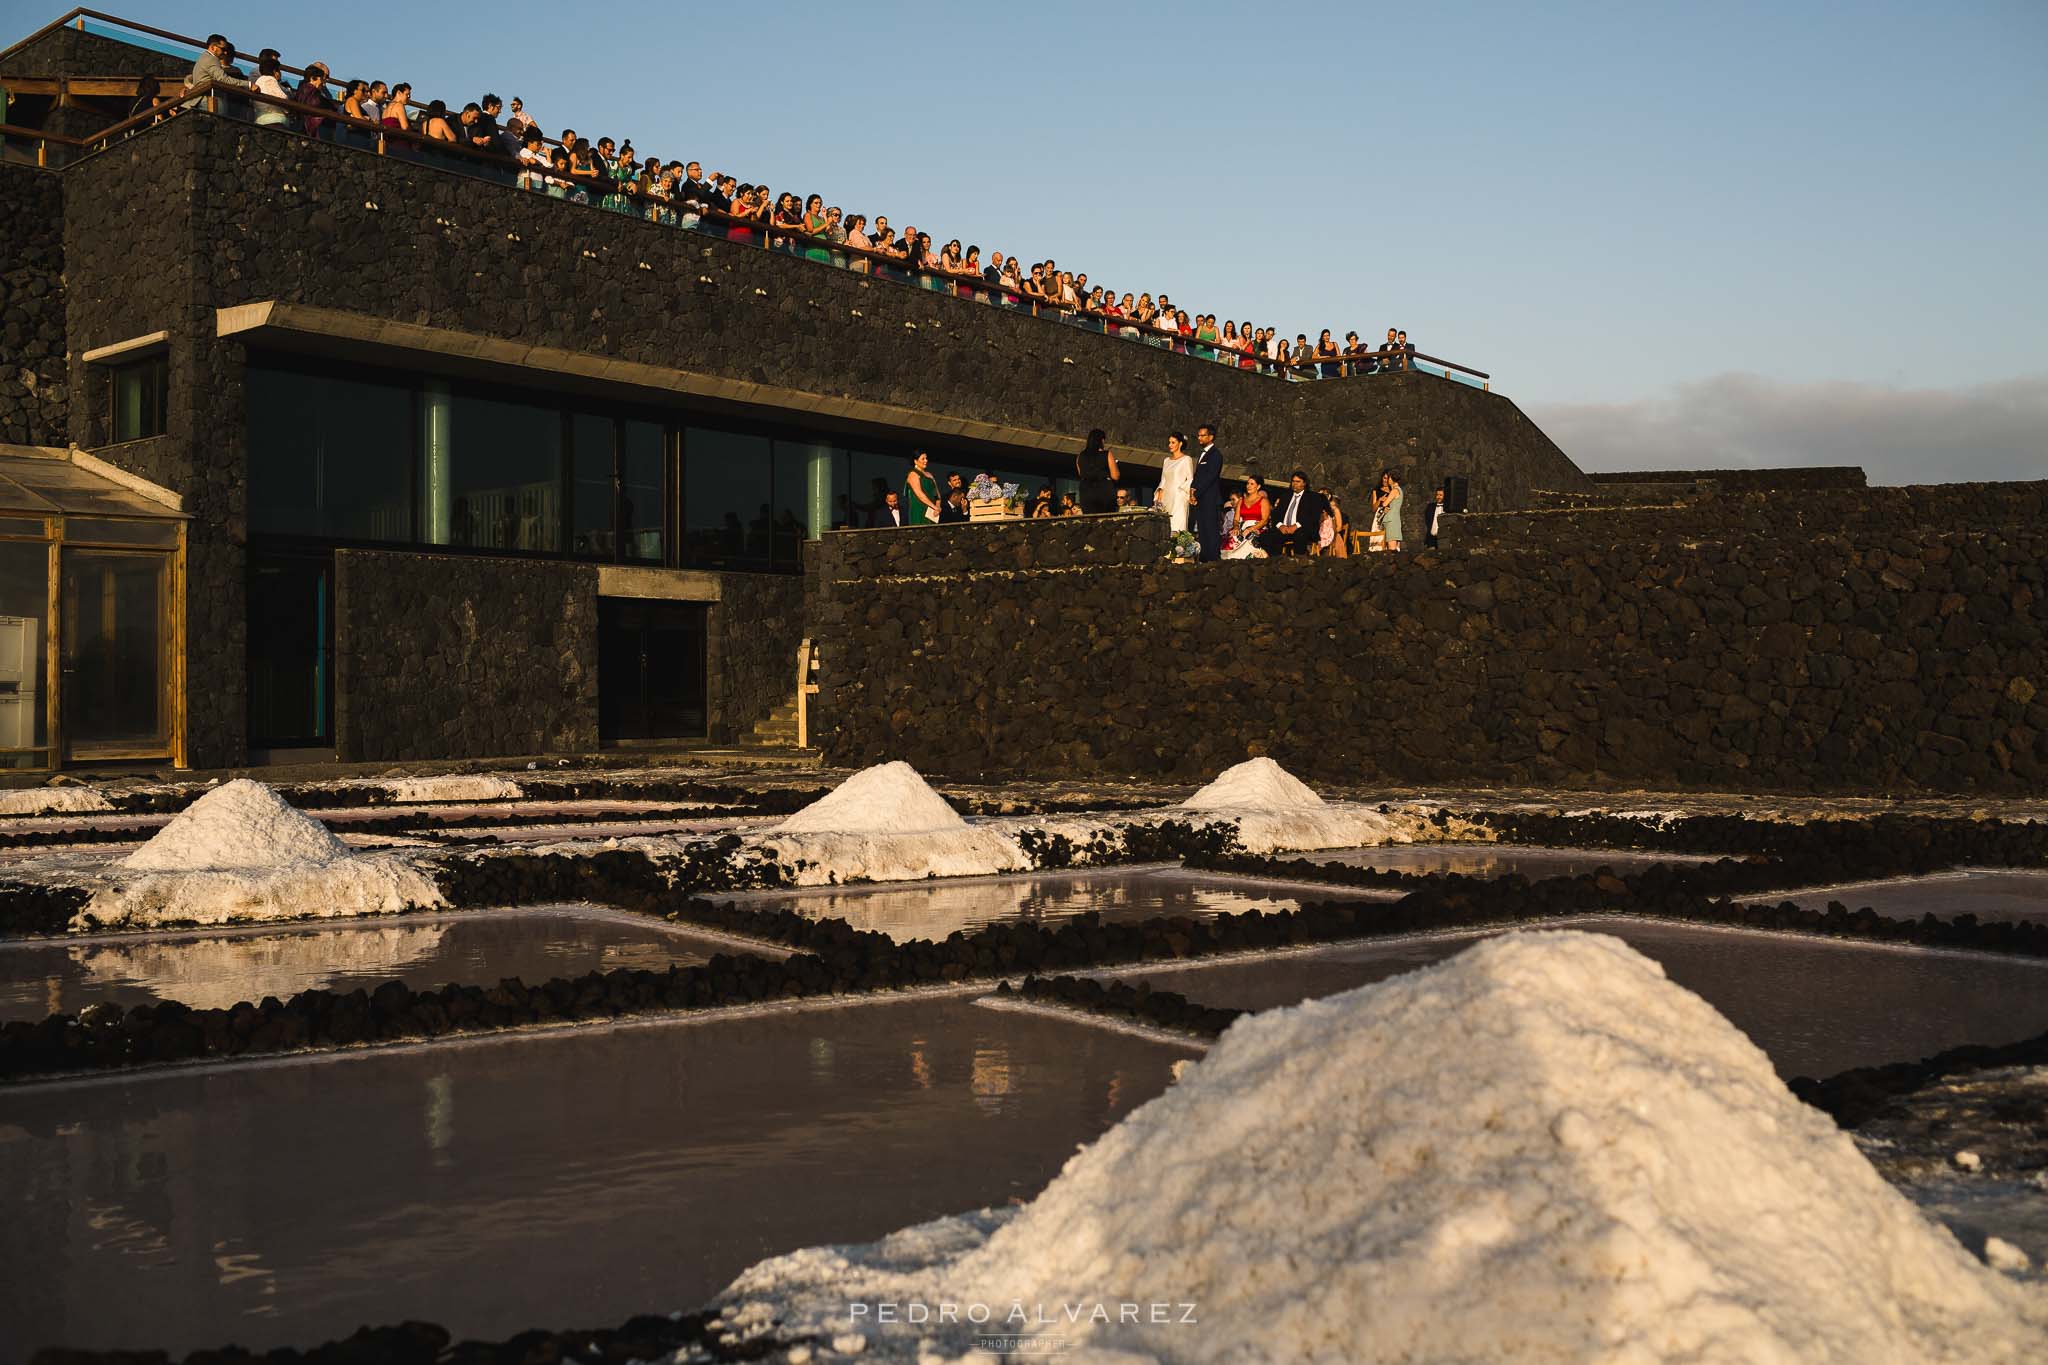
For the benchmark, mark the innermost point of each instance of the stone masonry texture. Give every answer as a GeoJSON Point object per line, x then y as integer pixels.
{"type": "Point", "coordinates": [1882, 639]}
{"type": "Point", "coordinates": [459, 657]}
{"type": "Point", "coordinates": [35, 391]}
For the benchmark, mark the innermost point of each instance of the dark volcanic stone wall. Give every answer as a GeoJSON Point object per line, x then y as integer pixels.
{"type": "Point", "coordinates": [458, 657]}
{"type": "Point", "coordinates": [34, 387]}
{"type": "Point", "coordinates": [474, 256]}
{"type": "Point", "coordinates": [1736, 480]}
{"type": "Point", "coordinates": [1756, 648]}
{"type": "Point", "coordinates": [755, 630]}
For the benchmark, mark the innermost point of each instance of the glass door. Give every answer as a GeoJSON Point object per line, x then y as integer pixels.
{"type": "Point", "coordinates": [115, 653]}
{"type": "Point", "coordinates": [291, 658]}
{"type": "Point", "coordinates": [651, 670]}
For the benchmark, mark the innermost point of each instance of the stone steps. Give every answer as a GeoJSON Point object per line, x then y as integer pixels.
{"type": "Point", "coordinates": [776, 730]}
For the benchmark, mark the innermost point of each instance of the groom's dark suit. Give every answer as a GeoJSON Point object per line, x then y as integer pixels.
{"type": "Point", "coordinates": [1208, 488]}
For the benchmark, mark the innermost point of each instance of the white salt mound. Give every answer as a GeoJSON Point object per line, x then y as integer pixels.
{"type": "Point", "coordinates": [1255, 784]}
{"type": "Point", "coordinates": [454, 787]}
{"type": "Point", "coordinates": [889, 798]}
{"type": "Point", "coordinates": [52, 801]}
{"type": "Point", "coordinates": [1540, 1149]}
{"type": "Point", "coordinates": [240, 825]}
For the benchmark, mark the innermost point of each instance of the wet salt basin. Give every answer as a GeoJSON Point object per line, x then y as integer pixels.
{"type": "Point", "coordinates": [552, 1178]}
{"type": "Point", "coordinates": [932, 910]}
{"type": "Point", "coordinates": [1816, 1006]}
{"type": "Point", "coordinates": [1987, 893]}
{"type": "Point", "coordinates": [218, 968]}
{"type": "Point", "coordinates": [1497, 860]}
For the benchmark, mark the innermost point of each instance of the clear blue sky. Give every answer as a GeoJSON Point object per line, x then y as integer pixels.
{"type": "Point", "coordinates": [1599, 203]}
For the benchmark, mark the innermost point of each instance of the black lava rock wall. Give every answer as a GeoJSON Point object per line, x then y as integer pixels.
{"type": "Point", "coordinates": [755, 630]}
{"type": "Point", "coordinates": [458, 657]}
{"type": "Point", "coordinates": [381, 236]}
{"type": "Point", "coordinates": [35, 392]}
{"type": "Point", "coordinates": [1859, 640]}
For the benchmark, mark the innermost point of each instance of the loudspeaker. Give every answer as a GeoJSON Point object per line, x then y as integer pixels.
{"type": "Point", "coordinates": [1454, 492]}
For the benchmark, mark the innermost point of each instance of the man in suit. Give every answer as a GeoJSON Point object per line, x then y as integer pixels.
{"type": "Point", "coordinates": [1208, 491]}
{"type": "Point", "coordinates": [890, 513]}
{"type": "Point", "coordinates": [1432, 519]}
{"type": "Point", "coordinates": [1297, 517]}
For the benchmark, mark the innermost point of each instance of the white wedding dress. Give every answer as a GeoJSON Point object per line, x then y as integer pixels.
{"type": "Point", "coordinates": [1176, 477]}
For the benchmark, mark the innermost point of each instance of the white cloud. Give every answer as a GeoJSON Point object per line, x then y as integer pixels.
{"type": "Point", "coordinates": [1991, 431]}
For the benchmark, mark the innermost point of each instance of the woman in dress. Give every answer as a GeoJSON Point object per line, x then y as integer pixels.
{"type": "Point", "coordinates": [1336, 526]}
{"type": "Point", "coordinates": [1390, 512]}
{"type": "Point", "coordinates": [789, 215]}
{"type": "Point", "coordinates": [922, 489]}
{"type": "Point", "coordinates": [816, 224]}
{"type": "Point", "coordinates": [394, 111]}
{"type": "Point", "coordinates": [1252, 509]}
{"type": "Point", "coordinates": [858, 241]}
{"type": "Point", "coordinates": [1176, 483]}
{"type": "Point", "coordinates": [1041, 506]}
{"type": "Point", "coordinates": [1206, 337]}
{"type": "Point", "coordinates": [1097, 467]}
{"type": "Point", "coordinates": [435, 123]}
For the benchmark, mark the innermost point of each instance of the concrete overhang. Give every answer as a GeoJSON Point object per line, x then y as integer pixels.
{"type": "Point", "coordinates": [444, 351]}
{"type": "Point", "coordinates": [665, 585]}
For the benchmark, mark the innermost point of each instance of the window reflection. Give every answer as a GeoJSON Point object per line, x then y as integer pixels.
{"type": "Point", "coordinates": [726, 499]}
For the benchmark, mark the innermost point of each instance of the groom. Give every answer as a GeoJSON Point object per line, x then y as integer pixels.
{"type": "Point", "coordinates": [1208, 491]}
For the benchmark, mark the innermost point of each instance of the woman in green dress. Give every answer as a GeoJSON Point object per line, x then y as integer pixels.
{"type": "Point", "coordinates": [815, 224]}
{"type": "Point", "coordinates": [1390, 510]}
{"type": "Point", "coordinates": [923, 487]}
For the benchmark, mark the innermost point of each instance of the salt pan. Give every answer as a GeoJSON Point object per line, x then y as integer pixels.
{"type": "Point", "coordinates": [471, 787]}
{"type": "Point", "coordinates": [1538, 1150]}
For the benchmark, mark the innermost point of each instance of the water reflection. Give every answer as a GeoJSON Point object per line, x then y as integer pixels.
{"type": "Point", "coordinates": [932, 910]}
{"type": "Point", "coordinates": [215, 970]}
{"type": "Point", "coordinates": [1987, 893]}
{"type": "Point", "coordinates": [1496, 860]}
{"type": "Point", "coordinates": [556, 1178]}
{"type": "Point", "coordinates": [1816, 1006]}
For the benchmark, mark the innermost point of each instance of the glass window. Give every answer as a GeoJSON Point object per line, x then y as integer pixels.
{"type": "Point", "coordinates": [505, 475]}
{"type": "Point", "coordinates": [870, 476]}
{"type": "Point", "coordinates": [810, 487]}
{"type": "Point", "coordinates": [329, 456]}
{"type": "Point", "coordinates": [726, 500]}
{"type": "Point", "coordinates": [290, 667]}
{"type": "Point", "coordinates": [643, 501]}
{"type": "Point", "coordinates": [113, 649]}
{"type": "Point", "coordinates": [141, 392]}
{"type": "Point", "coordinates": [24, 526]}
{"type": "Point", "coordinates": [593, 517]}
{"type": "Point", "coordinates": [161, 534]}
{"type": "Point", "coordinates": [24, 609]}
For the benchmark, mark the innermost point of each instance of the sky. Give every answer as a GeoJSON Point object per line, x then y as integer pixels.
{"type": "Point", "coordinates": [1675, 234]}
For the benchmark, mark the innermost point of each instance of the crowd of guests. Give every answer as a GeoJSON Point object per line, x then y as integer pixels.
{"type": "Point", "coordinates": [1248, 522]}
{"type": "Point", "coordinates": [615, 176]}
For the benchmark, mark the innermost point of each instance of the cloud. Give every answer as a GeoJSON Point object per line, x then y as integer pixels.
{"type": "Point", "coordinates": [1991, 431]}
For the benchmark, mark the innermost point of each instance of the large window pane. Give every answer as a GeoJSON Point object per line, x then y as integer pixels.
{"type": "Point", "coordinates": [593, 517]}
{"type": "Point", "coordinates": [872, 476]}
{"type": "Point", "coordinates": [24, 605]}
{"type": "Point", "coordinates": [726, 496]}
{"type": "Point", "coordinates": [141, 398]}
{"type": "Point", "coordinates": [643, 465]}
{"type": "Point", "coordinates": [505, 475]}
{"type": "Point", "coordinates": [809, 490]}
{"type": "Point", "coordinates": [329, 456]}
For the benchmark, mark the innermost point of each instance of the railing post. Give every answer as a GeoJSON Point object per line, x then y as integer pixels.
{"type": "Point", "coordinates": [43, 152]}
{"type": "Point", "coordinates": [212, 101]}
{"type": "Point", "coordinates": [380, 142]}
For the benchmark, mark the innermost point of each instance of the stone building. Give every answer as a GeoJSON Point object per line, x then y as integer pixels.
{"type": "Point", "coordinates": [464, 470]}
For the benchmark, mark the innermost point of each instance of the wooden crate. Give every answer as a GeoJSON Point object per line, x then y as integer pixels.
{"type": "Point", "coordinates": [990, 511]}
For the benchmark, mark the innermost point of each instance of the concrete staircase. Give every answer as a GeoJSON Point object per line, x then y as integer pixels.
{"type": "Point", "coordinates": [776, 730]}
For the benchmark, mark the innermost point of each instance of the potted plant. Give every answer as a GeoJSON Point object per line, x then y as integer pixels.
{"type": "Point", "coordinates": [988, 500]}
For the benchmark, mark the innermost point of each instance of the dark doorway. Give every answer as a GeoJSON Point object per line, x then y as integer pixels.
{"type": "Point", "coordinates": [651, 670]}
{"type": "Point", "coordinates": [291, 615]}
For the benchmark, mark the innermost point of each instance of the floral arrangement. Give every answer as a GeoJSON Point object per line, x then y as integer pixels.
{"type": "Point", "coordinates": [986, 489]}
{"type": "Point", "coordinates": [1184, 545]}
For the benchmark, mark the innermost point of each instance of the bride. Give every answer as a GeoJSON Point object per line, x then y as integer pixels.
{"type": "Point", "coordinates": [1176, 483]}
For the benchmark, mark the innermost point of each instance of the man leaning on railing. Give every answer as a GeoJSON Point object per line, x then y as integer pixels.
{"type": "Point", "coordinates": [211, 68]}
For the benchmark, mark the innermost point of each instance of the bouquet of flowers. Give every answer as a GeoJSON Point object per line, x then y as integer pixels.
{"type": "Point", "coordinates": [1184, 545]}
{"type": "Point", "coordinates": [986, 489]}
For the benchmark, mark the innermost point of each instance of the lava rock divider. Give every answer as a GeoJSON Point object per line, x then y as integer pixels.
{"type": "Point", "coordinates": [1860, 1094]}
{"type": "Point", "coordinates": [644, 1338]}
{"type": "Point", "coordinates": [1453, 901]}
{"type": "Point", "coordinates": [1835, 849]}
{"type": "Point", "coordinates": [1121, 1000]}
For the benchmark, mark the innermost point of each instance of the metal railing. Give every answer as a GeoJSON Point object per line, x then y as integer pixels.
{"type": "Point", "coordinates": [624, 196]}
